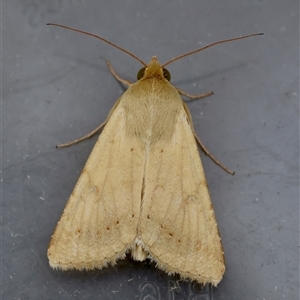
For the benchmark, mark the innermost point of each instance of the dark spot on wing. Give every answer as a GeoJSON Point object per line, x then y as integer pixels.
{"type": "Point", "coordinates": [203, 183]}
{"type": "Point", "coordinates": [198, 245]}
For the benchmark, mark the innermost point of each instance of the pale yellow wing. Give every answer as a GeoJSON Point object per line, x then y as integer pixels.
{"type": "Point", "coordinates": [178, 226]}
{"type": "Point", "coordinates": [99, 223]}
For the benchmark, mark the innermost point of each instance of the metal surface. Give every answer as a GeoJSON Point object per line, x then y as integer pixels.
{"type": "Point", "coordinates": [56, 87]}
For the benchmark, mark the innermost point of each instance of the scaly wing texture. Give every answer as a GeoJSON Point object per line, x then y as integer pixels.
{"type": "Point", "coordinates": [178, 226]}
{"type": "Point", "coordinates": [99, 223]}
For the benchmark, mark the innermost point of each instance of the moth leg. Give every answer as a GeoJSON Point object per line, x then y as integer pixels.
{"type": "Point", "coordinates": [124, 81]}
{"type": "Point", "coordinates": [193, 97]}
{"type": "Point", "coordinates": [211, 156]}
{"type": "Point", "coordinates": [202, 145]}
{"type": "Point", "coordinates": [84, 137]}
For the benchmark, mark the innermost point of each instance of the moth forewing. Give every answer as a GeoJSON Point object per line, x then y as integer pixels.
{"type": "Point", "coordinates": [178, 226]}
{"type": "Point", "coordinates": [99, 222]}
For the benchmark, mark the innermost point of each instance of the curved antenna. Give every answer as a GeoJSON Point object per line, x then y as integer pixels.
{"type": "Point", "coordinates": [208, 46]}
{"type": "Point", "coordinates": [102, 39]}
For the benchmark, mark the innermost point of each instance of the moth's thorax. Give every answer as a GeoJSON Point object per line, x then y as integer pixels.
{"type": "Point", "coordinates": [152, 105]}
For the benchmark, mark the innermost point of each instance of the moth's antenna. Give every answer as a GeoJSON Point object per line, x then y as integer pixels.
{"type": "Point", "coordinates": [208, 46]}
{"type": "Point", "coordinates": [102, 39]}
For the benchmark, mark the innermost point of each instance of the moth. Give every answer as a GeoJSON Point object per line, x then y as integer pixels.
{"type": "Point", "coordinates": [143, 188]}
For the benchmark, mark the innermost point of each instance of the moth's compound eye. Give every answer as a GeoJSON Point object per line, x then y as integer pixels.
{"type": "Point", "coordinates": [140, 73]}
{"type": "Point", "coordinates": [167, 74]}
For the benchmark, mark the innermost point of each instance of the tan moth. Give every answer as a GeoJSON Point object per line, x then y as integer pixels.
{"type": "Point", "coordinates": [143, 188]}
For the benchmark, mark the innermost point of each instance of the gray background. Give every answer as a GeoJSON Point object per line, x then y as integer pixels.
{"type": "Point", "coordinates": [57, 88]}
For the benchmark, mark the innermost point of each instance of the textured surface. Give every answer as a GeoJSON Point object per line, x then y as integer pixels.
{"type": "Point", "coordinates": [56, 88]}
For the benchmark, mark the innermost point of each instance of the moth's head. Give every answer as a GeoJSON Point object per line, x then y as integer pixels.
{"type": "Point", "coordinates": [153, 69]}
